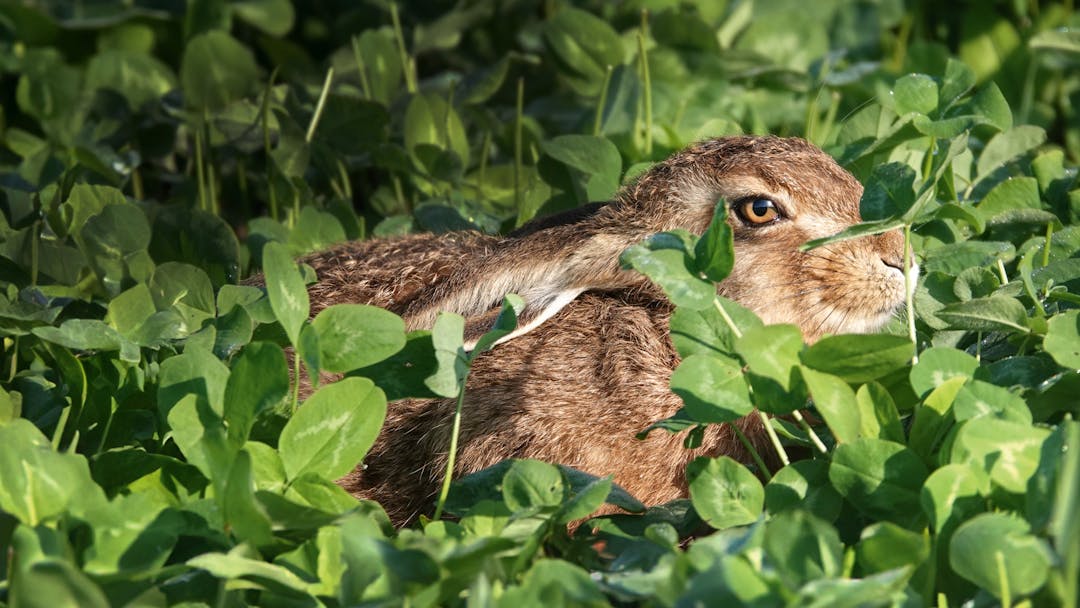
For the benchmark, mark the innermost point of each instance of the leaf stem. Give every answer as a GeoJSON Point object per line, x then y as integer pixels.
{"type": "Point", "coordinates": [406, 61]}
{"type": "Point", "coordinates": [365, 86]}
{"type": "Point", "coordinates": [727, 318]}
{"type": "Point", "coordinates": [598, 120]}
{"type": "Point", "coordinates": [452, 456]}
{"type": "Point", "coordinates": [643, 57]}
{"type": "Point", "coordinates": [820, 445]}
{"type": "Point", "coordinates": [1001, 272]}
{"type": "Point", "coordinates": [751, 450]}
{"type": "Point", "coordinates": [518, 114]}
{"type": "Point", "coordinates": [264, 114]}
{"type": "Point", "coordinates": [909, 295]}
{"type": "Point", "coordinates": [320, 105]}
{"type": "Point", "coordinates": [1046, 245]}
{"type": "Point", "coordinates": [200, 174]}
{"type": "Point", "coordinates": [771, 432]}
{"type": "Point", "coordinates": [296, 379]}
{"type": "Point", "coordinates": [1003, 578]}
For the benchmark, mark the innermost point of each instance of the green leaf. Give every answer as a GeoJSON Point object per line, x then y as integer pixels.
{"type": "Point", "coordinates": [584, 46]}
{"type": "Point", "coordinates": [706, 332]}
{"type": "Point", "coordinates": [803, 484]}
{"type": "Point", "coordinates": [216, 70]}
{"type": "Point", "coordinates": [1062, 340]}
{"type": "Point", "coordinates": [200, 434]}
{"type": "Point", "coordinates": [889, 193]}
{"type": "Point", "coordinates": [242, 513]}
{"type": "Point", "coordinates": [933, 418]}
{"type": "Point", "coordinates": [712, 388]}
{"type": "Point", "coordinates": [802, 548]}
{"type": "Point", "coordinates": [1009, 451]}
{"type": "Point", "coordinates": [430, 120]}
{"type": "Point", "coordinates": [994, 545]}
{"type": "Point", "coordinates": [939, 364]}
{"type": "Point", "coordinates": [836, 403]}
{"type": "Point", "coordinates": [531, 484]}
{"type": "Point", "coordinates": [139, 77]}
{"type": "Point", "coordinates": [885, 546]}
{"type": "Point", "coordinates": [37, 483]}
{"type": "Point", "coordinates": [259, 380]}
{"type": "Point", "coordinates": [724, 492]}
{"type": "Point", "coordinates": [858, 358]}
{"type": "Point", "coordinates": [771, 353]}
{"type": "Point", "coordinates": [286, 290]}
{"type": "Point", "coordinates": [447, 336]}
{"type": "Point", "coordinates": [232, 567]}
{"type": "Point", "coordinates": [978, 398]}
{"type": "Point", "coordinates": [665, 259]}
{"type": "Point", "coordinates": [880, 478]}
{"type": "Point", "coordinates": [714, 253]}
{"type": "Point", "coordinates": [994, 313]}
{"type": "Point", "coordinates": [356, 335]}
{"type": "Point", "coordinates": [916, 93]}
{"type": "Point", "coordinates": [952, 494]}
{"type": "Point", "coordinates": [333, 430]}
{"type": "Point", "coordinates": [594, 164]}
{"type": "Point", "coordinates": [1007, 145]}
{"type": "Point", "coordinates": [195, 372]}
{"type": "Point", "coordinates": [878, 416]}
{"type": "Point", "coordinates": [81, 334]}
{"type": "Point", "coordinates": [52, 582]}
{"type": "Point", "coordinates": [275, 17]}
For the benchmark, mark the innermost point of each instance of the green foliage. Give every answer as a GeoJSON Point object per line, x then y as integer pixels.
{"type": "Point", "coordinates": [152, 154]}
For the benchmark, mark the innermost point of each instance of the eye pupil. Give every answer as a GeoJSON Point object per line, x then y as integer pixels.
{"type": "Point", "coordinates": [761, 207]}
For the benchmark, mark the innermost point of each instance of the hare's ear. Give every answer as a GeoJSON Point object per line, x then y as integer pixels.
{"type": "Point", "coordinates": [534, 313]}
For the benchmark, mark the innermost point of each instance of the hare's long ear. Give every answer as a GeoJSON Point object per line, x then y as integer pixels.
{"type": "Point", "coordinates": [548, 263]}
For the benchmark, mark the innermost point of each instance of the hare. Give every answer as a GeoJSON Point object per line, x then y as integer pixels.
{"type": "Point", "coordinates": [589, 364]}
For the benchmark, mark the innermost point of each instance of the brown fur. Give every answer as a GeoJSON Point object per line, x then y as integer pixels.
{"type": "Point", "coordinates": [576, 388]}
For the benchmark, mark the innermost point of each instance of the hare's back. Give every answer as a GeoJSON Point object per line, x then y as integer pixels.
{"type": "Point", "coordinates": [392, 273]}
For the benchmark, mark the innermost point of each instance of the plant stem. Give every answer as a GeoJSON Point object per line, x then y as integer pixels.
{"type": "Point", "coordinates": [518, 114]}
{"type": "Point", "coordinates": [65, 413]}
{"type": "Point", "coordinates": [200, 175]}
{"type": "Point", "coordinates": [320, 105]}
{"type": "Point", "coordinates": [406, 61]}
{"type": "Point", "coordinates": [598, 120]}
{"type": "Point", "coordinates": [909, 295]}
{"type": "Point", "coordinates": [1003, 576]}
{"type": "Point", "coordinates": [643, 57]}
{"type": "Point", "coordinates": [751, 450]}
{"type": "Point", "coordinates": [264, 114]}
{"type": "Point", "coordinates": [1001, 272]}
{"type": "Point", "coordinates": [296, 379]}
{"type": "Point", "coordinates": [727, 318]}
{"type": "Point", "coordinates": [35, 244]}
{"type": "Point", "coordinates": [365, 86]}
{"type": "Point", "coordinates": [452, 456]}
{"type": "Point", "coordinates": [1046, 245]}
{"type": "Point", "coordinates": [820, 445]}
{"type": "Point", "coordinates": [780, 451]}
{"type": "Point", "coordinates": [137, 185]}
{"type": "Point", "coordinates": [14, 359]}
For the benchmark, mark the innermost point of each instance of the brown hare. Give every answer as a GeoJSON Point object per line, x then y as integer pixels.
{"type": "Point", "coordinates": [589, 365]}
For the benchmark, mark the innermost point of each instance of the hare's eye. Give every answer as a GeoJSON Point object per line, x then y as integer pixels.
{"type": "Point", "coordinates": [758, 211]}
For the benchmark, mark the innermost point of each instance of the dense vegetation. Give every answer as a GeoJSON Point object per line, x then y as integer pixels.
{"type": "Point", "coordinates": [152, 451]}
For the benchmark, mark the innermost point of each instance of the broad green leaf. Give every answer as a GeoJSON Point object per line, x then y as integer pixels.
{"type": "Point", "coordinates": [884, 546]}
{"type": "Point", "coordinates": [275, 17]}
{"type": "Point", "coordinates": [706, 332]}
{"type": "Point", "coordinates": [530, 484]}
{"type": "Point", "coordinates": [836, 403]}
{"type": "Point", "coordinates": [242, 513]}
{"type": "Point", "coordinates": [994, 313]}
{"type": "Point", "coordinates": [1012, 196]}
{"type": "Point", "coordinates": [194, 372]}
{"type": "Point", "coordinates": [1062, 340]}
{"type": "Point", "coordinates": [915, 93]}
{"type": "Point", "coordinates": [285, 289]}
{"type": "Point", "coordinates": [724, 492]}
{"type": "Point", "coordinates": [584, 46]}
{"type": "Point", "coordinates": [880, 478]}
{"type": "Point", "coordinates": [37, 483]}
{"type": "Point", "coordinates": [890, 192]}
{"type": "Point", "coordinates": [333, 430]}
{"type": "Point", "coordinates": [771, 353]}
{"type": "Point", "coordinates": [937, 365]}
{"type": "Point", "coordinates": [670, 268]}
{"type": "Point", "coordinates": [1009, 451]}
{"type": "Point", "coordinates": [878, 416]}
{"type": "Point", "coordinates": [712, 388]}
{"type": "Point", "coordinates": [554, 582]}
{"type": "Point", "coordinates": [132, 533]}
{"type": "Point", "coordinates": [992, 545]}
{"type": "Point", "coordinates": [1007, 145]}
{"type": "Point", "coordinates": [858, 358]}
{"type": "Point", "coordinates": [200, 434]}
{"type": "Point", "coordinates": [802, 548]}
{"type": "Point", "coordinates": [447, 337]}
{"type": "Point", "coordinates": [594, 164]}
{"type": "Point", "coordinates": [714, 253]}
{"type": "Point", "coordinates": [53, 582]}
{"type": "Point", "coordinates": [259, 380]}
{"type": "Point", "coordinates": [952, 494]}
{"type": "Point", "coordinates": [231, 567]}
{"type": "Point", "coordinates": [803, 484]}
{"type": "Point", "coordinates": [978, 398]}
{"type": "Point", "coordinates": [356, 335]}
{"type": "Point", "coordinates": [216, 70]}
{"type": "Point", "coordinates": [933, 418]}
{"type": "Point", "coordinates": [139, 77]}
{"type": "Point", "coordinates": [82, 334]}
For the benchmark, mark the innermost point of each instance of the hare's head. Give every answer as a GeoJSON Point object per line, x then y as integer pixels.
{"type": "Point", "coordinates": [781, 192]}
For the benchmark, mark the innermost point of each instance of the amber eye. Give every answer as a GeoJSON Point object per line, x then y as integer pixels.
{"type": "Point", "coordinates": [758, 211]}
